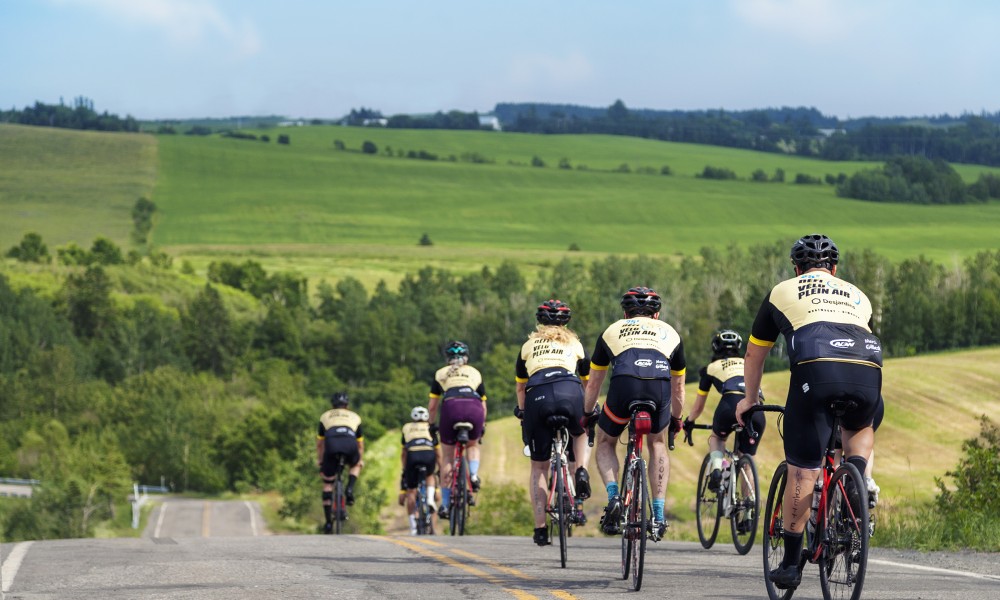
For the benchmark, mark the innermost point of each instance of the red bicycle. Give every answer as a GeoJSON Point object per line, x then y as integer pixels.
{"type": "Point", "coordinates": [636, 502]}
{"type": "Point", "coordinates": [462, 495]}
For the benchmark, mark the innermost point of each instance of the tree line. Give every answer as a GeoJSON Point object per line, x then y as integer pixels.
{"type": "Point", "coordinates": [79, 116]}
{"type": "Point", "coordinates": [118, 375]}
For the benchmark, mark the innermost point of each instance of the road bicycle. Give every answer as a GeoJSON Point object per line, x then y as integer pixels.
{"type": "Point", "coordinates": [562, 508]}
{"type": "Point", "coordinates": [462, 495]}
{"type": "Point", "coordinates": [425, 514]}
{"type": "Point", "coordinates": [636, 501]}
{"type": "Point", "coordinates": [338, 511]}
{"type": "Point", "coordinates": [738, 495]}
{"type": "Point", "coordinates": [837, 532]}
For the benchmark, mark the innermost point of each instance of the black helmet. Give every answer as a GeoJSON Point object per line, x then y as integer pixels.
{"type": "Point", "coordinates": [726, 341]}
{"type": "Point", "coordinates": [553, 312]}
{"type": "Point", "coordinates": [455, 350]}
{"type": "Point", "coordinates": [814, 251]}
{"type": "Point", "coordinates": [338, 400]}
{"type": "Point", "coordinates": [641, 301]}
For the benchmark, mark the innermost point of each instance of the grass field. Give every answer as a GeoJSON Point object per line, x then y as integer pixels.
{"type": "Point", "coordinates": [329, 213]}
{"type": "Point", "coordinates": [921, 437]}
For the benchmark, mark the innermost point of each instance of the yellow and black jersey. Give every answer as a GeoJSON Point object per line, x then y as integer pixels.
{"type": "Point", "coordinates": [417, 437]}
{"type": "Point", "coordinates": [544, 361]}
{"type": "Point", "coordinates": [822, 317]}
{"type": "Point", "coordinates": [340, 422]}
{"type": "Point", "coordinates": [458, 381]}
{"type": "Point", "coordinates": [641, 347]}
{"type": "Point", "coordinates": [725, 374]}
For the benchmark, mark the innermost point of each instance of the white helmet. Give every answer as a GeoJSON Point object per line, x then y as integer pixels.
{"type": "Point", "coordinates": [419, 413]}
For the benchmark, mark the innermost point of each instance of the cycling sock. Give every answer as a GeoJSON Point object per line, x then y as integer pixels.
{"type": "Point", "coordinates": [612, 490]}
{"type": "Point", "coordinates": [658, 509]}
{"type": "Point", "coordinates": [413, 522]}
{"type": "Point", "coordinates": [474, 467]}
{"type": "Point", "coordinates": [327, 506]}
{"type": "Point", "coordinates": [430, 494]}
{"type": "Point", "coordinates": [793, 549]}
{"type": "Point", "coordinates": [715, 459]}
{"type": "Point", "coordinates": [445, 496]}
{"type": "Point", "coordinates": [860, 462]}
{"type": "Point", "coordinates": [351, 480]}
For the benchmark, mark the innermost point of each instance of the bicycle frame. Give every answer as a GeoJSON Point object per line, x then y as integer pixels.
{"type": "Point", "coordinates": [561, 504]}
{"type": "Point", "coordinates": [461, 491]}
{"type": "Point", "coordinates": [636, 501]}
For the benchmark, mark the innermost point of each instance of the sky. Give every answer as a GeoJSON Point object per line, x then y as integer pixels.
{"type": "Point", "coordinates": [160, 59]}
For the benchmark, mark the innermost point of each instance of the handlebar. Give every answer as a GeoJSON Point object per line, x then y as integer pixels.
{"type": "Point", "coordinates": [687, 432]}
{"type": "Point", "coordinates": [759, 408]}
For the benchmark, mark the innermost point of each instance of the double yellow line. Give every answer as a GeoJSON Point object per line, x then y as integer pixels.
{"type": "Point", "coordinates": [503, 582]}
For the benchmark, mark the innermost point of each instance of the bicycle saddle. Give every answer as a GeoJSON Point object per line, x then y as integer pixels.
{"type": "Point", "coordinates": [637, 405]}
{"type": "Point", "coordinates": [557, 421]}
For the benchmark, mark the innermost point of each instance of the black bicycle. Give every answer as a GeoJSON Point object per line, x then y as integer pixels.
{"type": "Point", "coordinates": [338, 511]}
{"type": "Point", "coordinates": [738, 495]}
{"type": "Point", "coordinates": [425, 514]}
{"type": "Point", "coordinates": [837, 532]}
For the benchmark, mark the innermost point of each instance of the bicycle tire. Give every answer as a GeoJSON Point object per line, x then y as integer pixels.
{"type": "Point", "coordinates": [339, 507]}
{"type": "Point", "coordinates": [707, 507]}
{"type": "Point", "coordinates": [844, 560]}
{"type": "Point", "coordinates": [561, 515]}
{"type": "Point", "coordinates": [627, 542]}
{"type": "Point", "coordinates": [421, 509]}
{"type": "Point", "coordinates": [746, 509]}
{"type": "Point", "coordinates": [641, 502]}
{"type": "Point", "coordinates": [457, 501]}
{"type": "Point", "coordinates": [774, 532]}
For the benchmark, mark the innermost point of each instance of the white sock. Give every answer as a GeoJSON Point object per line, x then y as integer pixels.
{"type": "Point", "coordinates": [430, 495]}
{"type": "Point", "coordinates": [715, 459]}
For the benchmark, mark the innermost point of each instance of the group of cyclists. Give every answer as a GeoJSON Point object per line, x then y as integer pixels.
{"type": "Point", "coordinates": [826, 325]}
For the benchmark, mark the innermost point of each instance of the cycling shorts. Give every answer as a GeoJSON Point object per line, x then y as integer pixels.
{"type": "Point", "coordinates": [456, 410]}
{"type": "Point", "coordinates": [879, 414]}
{"type": "Point", "coordinates": [725, 418]}
{"type": "Point", "coordinates": [808, 420]}
{"type": "Point", "coordinates": [339, 445]}
{"type": "Point", "coordinates": [542, 401]}
{"type": "Point", "coordinates": [411, 476]}
{"type": "Point", "coordinates": [622, 391]}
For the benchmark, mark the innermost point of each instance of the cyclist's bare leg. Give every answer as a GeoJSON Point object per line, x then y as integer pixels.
{"type": "Point", "coordinates": [581, 451]}
{"type": "Point", "coordinates": [858, 443]}
{"type": "Point", "coordinates": [447, 458]}
{"type": "Point", "coordinates": [538, 490]}
{"type": "Point", "coordinates": [473, 452]}
{"type": "Point", "coordinates": [797, 502]}
{"type": "Point", "coordinates": [411, 502]}
{"type": "Point", "coordinates": [356, 469]}
{"type": "Point", "coordinates": [607, 457]}
{"type": "Point", "coordinates": [659, 464]}
{"type": "Point", "coordinates": [716, 443]}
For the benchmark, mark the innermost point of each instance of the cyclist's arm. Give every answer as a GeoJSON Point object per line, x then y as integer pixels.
{"type": "Point", "coordinates": [753, 370]}
{"type": "Point", "coordinates": [699, 405]}
{"type": "Point", "coordinates": [594, 383]}
{"type": "Point", "coordinates": [677, 394]}
{"type": "Point", "coordinates": [319, 451]}
{"type": "Point", "coordinates": [432, 407]}
{"type": "Point", "coordinates": [520, 389]}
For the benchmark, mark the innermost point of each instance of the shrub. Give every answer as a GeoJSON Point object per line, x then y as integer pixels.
{"type": "Point", "coordinates": [338, 145]}
{"type": "Point", "coordinates": [537, 162]}
{"type": "Point", "coordinates": [779, 176]}
{"type": "Point", "coordinates": [31, 249]}
{"type": "Point", "coordinates": [505, 510]}
{"type": "Point", "coordinates": [803, 179]}
{"type": "Point", "coordinates": [284, 139]}
{"type": "Point", "coordinates": [666, 170]}
{"type": "Point", "coordinates": [717, 173]}
{"type": "Point", "coordinates": [265, 138]}
{"type": "Point", "coordinates": [574, 247]}
{"type": "Point", "coordinates": [758, 175]}
{"type": "Point", "coordinates": [369, 147]}
{"type": "Point", "coordinates": [623, 168]}
{"type": "Point", "coordinates": [425, 240]}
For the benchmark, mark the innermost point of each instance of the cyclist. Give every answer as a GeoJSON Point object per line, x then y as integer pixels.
{"type": "Point", "coordinates": [339, 434]}
{"type": "Point", "coordinates": [833, 354]}
{"type": "Point", "coordinates": [725, 373]}
{"type": "Point", "coordinates": [646, 358]}
{"type": "Point", "coordinates": [420, 448]}
{"type": "Point", "coordinates": [457, 390]}
{"type": "Point", "coordinates": [549, 373]}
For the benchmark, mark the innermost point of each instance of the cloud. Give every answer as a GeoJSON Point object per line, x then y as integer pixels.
{"type": "Point", "coordinates": [183, 22]}
{"type": "Point", "coordinates": [811, 21]}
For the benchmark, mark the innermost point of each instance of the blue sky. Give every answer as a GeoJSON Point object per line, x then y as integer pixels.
{"type": "Point", "coordinates": [299, 58]}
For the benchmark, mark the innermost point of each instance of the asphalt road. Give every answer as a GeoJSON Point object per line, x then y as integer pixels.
{"type": "Point", "coordinates": [228, 564]}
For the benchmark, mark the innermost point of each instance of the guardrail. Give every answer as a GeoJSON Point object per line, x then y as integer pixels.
{"type": "Point", "coordinates": [140, 496]}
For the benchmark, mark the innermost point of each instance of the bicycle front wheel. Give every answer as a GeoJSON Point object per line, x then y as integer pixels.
{"type": "Point", "coordinates": [844, 560]}
{"type": "Point", "coordinates": [774, 532]}
{"type": "Point", "coordinates": [745, 490]}
{"type": "Point", "coordinates": [707, 506]}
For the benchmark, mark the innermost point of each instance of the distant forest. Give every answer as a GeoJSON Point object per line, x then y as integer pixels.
{"type": "Point", "coordinates": [970, 139]}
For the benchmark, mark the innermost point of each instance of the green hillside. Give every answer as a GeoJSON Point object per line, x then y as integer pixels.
{"type": "Point", "coordinates": [920, 439]}
{"type": "Point", "coordinates": [330, 213]}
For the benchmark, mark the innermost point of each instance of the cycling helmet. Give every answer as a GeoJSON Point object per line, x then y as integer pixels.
{"type": "Point", "coordinates": [419, 413]}
{"type": "Point", "coordinates": [814, 251]}
{"type": "Point", "coordinates": [726, 341]}
{"type": "Point", "coordinates": [339, 400]}
{"type": "Point", "coordinates": [641, 301]}
{"type": "Point", "coordinates": [456, 350]}
{"type": "Point", "coordinates": [553, 312]}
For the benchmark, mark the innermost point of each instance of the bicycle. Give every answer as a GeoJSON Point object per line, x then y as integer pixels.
{"type": "Point", "coordinates": [338, 511]}
{"type": "Point", "coordinates": [637, 504]}
{"type": "Point", "coordinates": [562, 508]}
{"type": "Point", "coordinates": [740, 504]}
{"type": "Point", "coordinates": [461, 493]}
{"type": "Point", "coordinates": [425, 515]}
{"type": "Point", "coordinates": [837, 532]}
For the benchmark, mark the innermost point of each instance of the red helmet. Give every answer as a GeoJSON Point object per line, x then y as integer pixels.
{"type": "Point", "coordinates": [553, 312]}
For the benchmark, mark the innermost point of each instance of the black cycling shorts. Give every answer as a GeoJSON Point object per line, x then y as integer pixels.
{"type": "Point", "coordinates": [725, 418]}
{"type": "Point", "coordinates": [622, 391]}
{"type": "Point", "coordinates": [339, 445]}
{"type": "Point", "coordinates": [542, 401]}
{"type": "Point", "coordinates": [411, 476]}
{"type": "Point", "coordinates": [879, 415]}
{"type": "Point", "coordinates": [808, 420]}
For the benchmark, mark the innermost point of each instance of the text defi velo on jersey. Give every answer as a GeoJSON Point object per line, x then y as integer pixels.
{"type": "Point", "coordinates": [812, 288]}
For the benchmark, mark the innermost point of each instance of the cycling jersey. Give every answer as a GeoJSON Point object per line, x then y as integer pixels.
{"type": "Point", "coordinates": [339, 422]}
{"type": "Point", "coordinates": [546, 361]}
{"type": "Point", "coordinates": [725, 374]}
{"type": "Point", "coordinates": [417, 437]}
{"type": "Point", "coordinates": [822, 317]}
{"type": "Point", "coordinates": [642, 347]}
{"type": "Point", "coordinates": [458, 381]}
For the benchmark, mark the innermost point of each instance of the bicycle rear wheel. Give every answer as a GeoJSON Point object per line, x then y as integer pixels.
{"type": "Point", "coordinates": [422, 509]}
{"type": "Point", "coordinates": [774, 532]}
{"type": "Point", "coordinates": [707, 507]}
{"type": "Point", "coordinates": [339, 510]}
{"type": "Point", "coordinates": [460, 502]}
{"type": "Point", "coordinates": [640, 502]}
{"type": "Point", "coordinates": [844, 560]}
{"type": "Point", "coordinates": [746, 505]}
{"type": "Point", "coordinates": [562, 516]}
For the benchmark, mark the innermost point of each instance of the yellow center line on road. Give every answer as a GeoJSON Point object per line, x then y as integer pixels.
{"type": "Point", "coordinates": [564, 595]}
{"type": "Point", "coordinates": [519, 594]}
